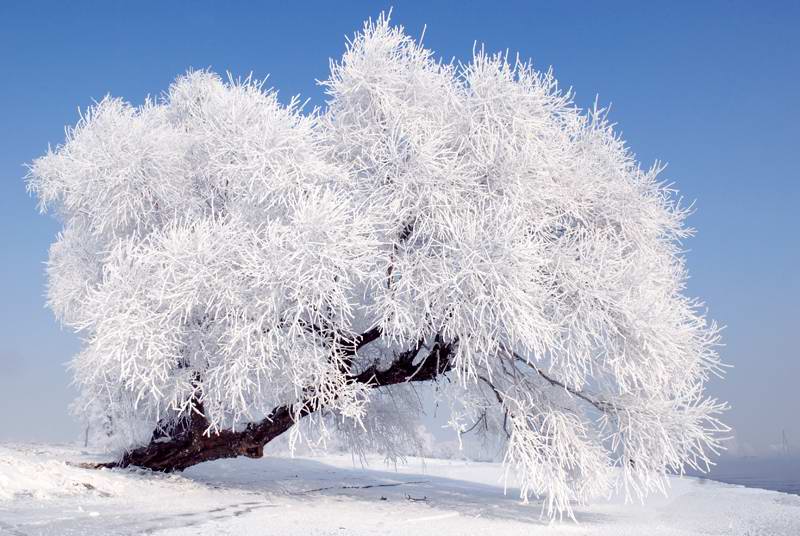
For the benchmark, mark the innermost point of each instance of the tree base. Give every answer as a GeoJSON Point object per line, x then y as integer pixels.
{"type": "Point", "coordinates": [194, 444]}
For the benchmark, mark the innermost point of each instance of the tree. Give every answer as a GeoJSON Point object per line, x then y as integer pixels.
{"type": "Point", "coordinates": [235, 265]}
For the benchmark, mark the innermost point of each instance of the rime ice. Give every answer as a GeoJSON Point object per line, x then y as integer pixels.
{"type": "Point", "coordinates": [220, 249]}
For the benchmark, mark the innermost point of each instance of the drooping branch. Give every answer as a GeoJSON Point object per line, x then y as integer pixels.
{"type": "Point", "coordinates": [499, 396]}
{"type": "Point", "coordinates": [601, 405]}
{"type": "Point", "coordinates": [195, 444]}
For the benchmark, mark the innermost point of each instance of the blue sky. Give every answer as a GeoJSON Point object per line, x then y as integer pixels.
{"type": "Point", "coordinates": [709, 87]}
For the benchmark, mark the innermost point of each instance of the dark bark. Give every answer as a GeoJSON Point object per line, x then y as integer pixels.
{"type": "Point", "coordinates": [190, 445]}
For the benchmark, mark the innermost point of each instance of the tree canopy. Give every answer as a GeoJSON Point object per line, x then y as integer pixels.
{"type": "Point", "coordinates": [232, 262]}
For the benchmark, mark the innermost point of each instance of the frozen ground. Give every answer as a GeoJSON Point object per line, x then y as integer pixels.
{"type": "Point", "coordinates": [40, 494]}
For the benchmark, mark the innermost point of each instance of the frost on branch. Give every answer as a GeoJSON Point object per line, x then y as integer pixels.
{"type": "Point", "coordinates": [229, 257]}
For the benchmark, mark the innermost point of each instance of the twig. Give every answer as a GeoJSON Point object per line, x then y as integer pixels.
{"type": "Point", "coordinates": [367, 486]}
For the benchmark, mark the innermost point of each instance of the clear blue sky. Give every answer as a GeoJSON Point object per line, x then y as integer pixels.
{"type": "Point", "coordinates": [710, 87]}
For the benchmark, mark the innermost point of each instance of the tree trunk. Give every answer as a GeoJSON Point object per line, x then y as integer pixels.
{"type": "Point", "coordinates": [191, 445]}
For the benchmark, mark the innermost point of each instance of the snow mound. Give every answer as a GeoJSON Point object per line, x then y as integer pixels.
{"type": "Point", "coordinates": [39, 480]}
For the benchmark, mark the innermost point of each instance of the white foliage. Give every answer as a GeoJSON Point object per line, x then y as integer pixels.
{"type": "Point", "coordinates": [221, 247]}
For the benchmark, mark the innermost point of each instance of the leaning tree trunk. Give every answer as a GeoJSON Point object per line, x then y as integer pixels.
{"type": "Point", "coordinates": [192, 445]}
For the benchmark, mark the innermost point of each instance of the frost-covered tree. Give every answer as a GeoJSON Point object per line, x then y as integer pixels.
{"type": "Point", "coordinates": [235, 265]}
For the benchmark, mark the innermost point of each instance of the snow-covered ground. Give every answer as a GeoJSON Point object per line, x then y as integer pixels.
{"type": "Point", "coordinates": [41, 494]}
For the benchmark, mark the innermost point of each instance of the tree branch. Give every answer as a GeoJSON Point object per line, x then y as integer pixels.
{"type": "Point", "coordinates": [193, 446]}
{"type": "Point", "coordinates": [599, 404]}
